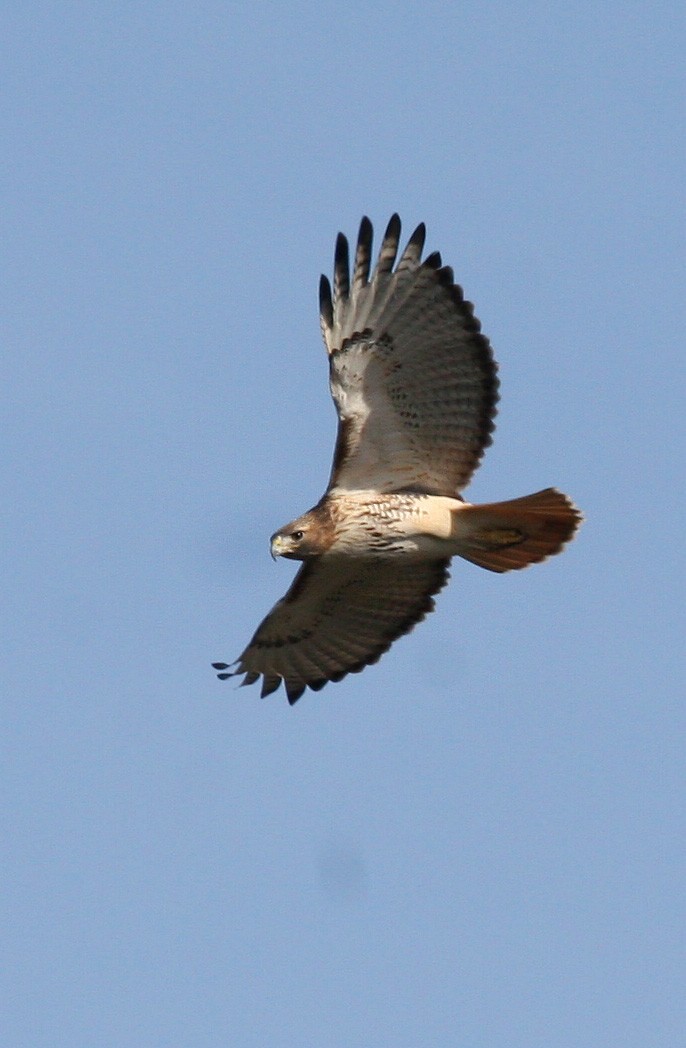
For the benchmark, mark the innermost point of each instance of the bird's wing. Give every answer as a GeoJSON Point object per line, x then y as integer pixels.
{"type": "Point", "coordinates": [412, 377]}
{"type": "Point", "coordinates": [340, 615]}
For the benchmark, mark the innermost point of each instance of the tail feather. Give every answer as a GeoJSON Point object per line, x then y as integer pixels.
{"type": "Point", "coordinates": [506, 536]}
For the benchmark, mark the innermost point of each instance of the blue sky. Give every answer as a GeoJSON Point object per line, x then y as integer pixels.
{"type": "Point", "coordinates": [480, 841]}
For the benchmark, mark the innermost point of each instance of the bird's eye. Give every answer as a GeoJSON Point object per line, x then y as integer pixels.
{"type": "Point", "coordinates": [297, 535]}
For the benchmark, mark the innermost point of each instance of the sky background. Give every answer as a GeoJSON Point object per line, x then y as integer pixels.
{"type": "Point", "coordinates": [481, 840]}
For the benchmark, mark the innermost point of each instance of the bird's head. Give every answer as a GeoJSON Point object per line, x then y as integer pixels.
{"type": "Point", "coordinates": [298, 540]}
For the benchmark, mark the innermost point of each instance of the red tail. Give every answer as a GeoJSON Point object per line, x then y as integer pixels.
{"type": "Point", "coordinates": [505, 536]}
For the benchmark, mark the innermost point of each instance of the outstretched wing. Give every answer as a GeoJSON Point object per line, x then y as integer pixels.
{"type": "Point", "coordinates": [340, 615]}
{"type": "Point", "coordinates": [412, 377]}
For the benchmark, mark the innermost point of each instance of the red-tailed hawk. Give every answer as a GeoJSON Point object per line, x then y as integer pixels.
{"type": "Point", "coordinates": [415, 387]}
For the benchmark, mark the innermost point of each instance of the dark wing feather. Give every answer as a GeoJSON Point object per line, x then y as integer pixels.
{"type": "Point", "coordinates": [340, 615]}
{"type": "Point", "coordinates": [363, 256]}
{"type": "Point", "coordinates": [412, 377]}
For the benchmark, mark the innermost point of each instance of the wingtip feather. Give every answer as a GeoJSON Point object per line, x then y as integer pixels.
{"type": "Point", "coordinates": [341, 268]}
{"type": "Point", "coordinates": [325, 302]}
{"type": "Point", "coordinates": [413, 251]}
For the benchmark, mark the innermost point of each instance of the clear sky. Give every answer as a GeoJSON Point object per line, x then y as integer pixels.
{"type": "Point", "coordinates": [480, 841]}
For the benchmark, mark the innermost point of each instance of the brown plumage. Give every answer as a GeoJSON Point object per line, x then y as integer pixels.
{"type": "Point", "coordinates": [414, 383]}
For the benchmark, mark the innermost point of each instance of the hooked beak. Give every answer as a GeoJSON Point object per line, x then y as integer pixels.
{"type": "Point", "coordinates": [278, 546]}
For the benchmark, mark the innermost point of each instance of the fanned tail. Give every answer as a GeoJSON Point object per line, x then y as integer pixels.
{"type": "Point", "coordinates": [506, 536]}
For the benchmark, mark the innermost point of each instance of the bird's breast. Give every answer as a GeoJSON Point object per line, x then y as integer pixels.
{"type": "Point", "coordinates": [391, 525]}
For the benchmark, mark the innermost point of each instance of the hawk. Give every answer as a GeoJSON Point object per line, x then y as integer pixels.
{"type": "Point", "coordinates": [415, 387]}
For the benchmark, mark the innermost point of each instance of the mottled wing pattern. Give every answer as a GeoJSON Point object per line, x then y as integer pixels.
{"type": "Point", "coordinates": [340, 615]}
{"type": "Point", "coordinates": [412, 377]}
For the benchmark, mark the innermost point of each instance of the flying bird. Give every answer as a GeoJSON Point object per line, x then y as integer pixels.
{"type": "Point", "coordinates": [415, 386]}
